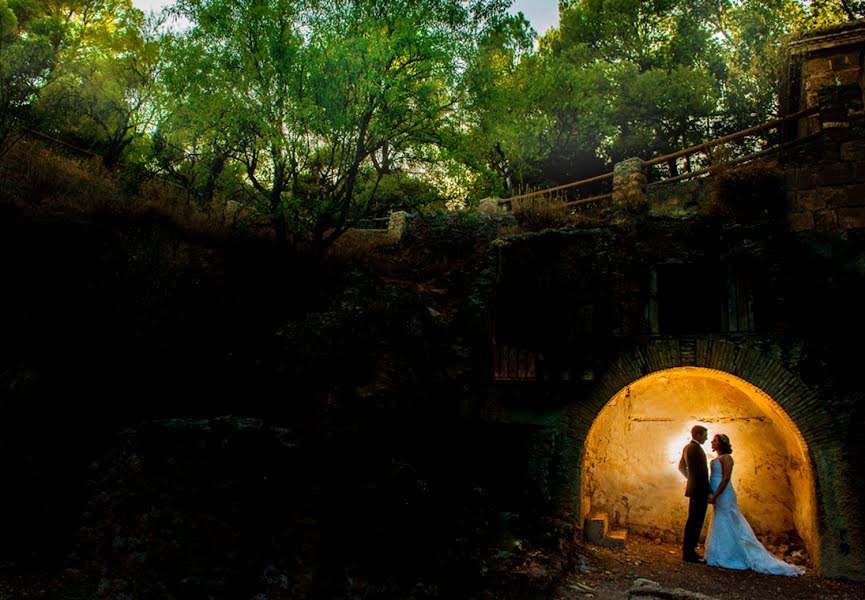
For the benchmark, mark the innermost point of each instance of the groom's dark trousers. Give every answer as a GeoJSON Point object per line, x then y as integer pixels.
{"type": "Point", "coordinates": [694, 525]}
{"type": "Point", "coordinates": [693, 466]}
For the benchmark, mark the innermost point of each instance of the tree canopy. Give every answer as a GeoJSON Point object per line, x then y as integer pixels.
{"type": "Point", "coordinates": [319, 114]}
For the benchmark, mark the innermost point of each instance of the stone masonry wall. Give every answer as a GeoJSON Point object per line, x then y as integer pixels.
{"type": "Point", "coordinates": [826, 183]}
{"type": "Point", "coordinates": [832, 57]}
{"type": "Point", "coordinates": [825, 180]}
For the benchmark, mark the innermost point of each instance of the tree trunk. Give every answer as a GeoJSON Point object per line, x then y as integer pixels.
{"type": "Point", "coordinates": [277, 214]}
{"type": "Point", "coordinates": [216, 168]}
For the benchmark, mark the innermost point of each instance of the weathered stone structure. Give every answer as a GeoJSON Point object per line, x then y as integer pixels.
{"type": "Point", "coordinates": [734, 287]}
{"type": "Point", "coordinates": [827, 183]}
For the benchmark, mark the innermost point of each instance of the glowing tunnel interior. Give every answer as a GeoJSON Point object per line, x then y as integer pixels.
{"type": "Point", "coordinates": [634, 445]}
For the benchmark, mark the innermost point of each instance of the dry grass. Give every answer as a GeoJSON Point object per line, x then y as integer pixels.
{"type": "Point", "coordinates": [541, 212]}
{"type": "Point", "coordinates": [545, 212]}
{"type": "Point", "coordinates": [40, 181]}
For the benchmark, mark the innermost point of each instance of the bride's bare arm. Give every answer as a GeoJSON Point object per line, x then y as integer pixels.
{"type": "Point", "coordinates": [726, 471]}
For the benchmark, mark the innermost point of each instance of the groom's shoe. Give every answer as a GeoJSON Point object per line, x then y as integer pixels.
{"type": "Point", "coordinates": [694, 558]}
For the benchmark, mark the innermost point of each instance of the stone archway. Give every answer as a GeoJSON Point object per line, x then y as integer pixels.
{"type": "Point", "coordinates": [836, 549]}
{"type": "Point", "coordinates": [634, 444]}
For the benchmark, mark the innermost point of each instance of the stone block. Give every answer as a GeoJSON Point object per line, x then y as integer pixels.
{"type": "Point", "coordinates": [801, 221]}
{"type": "Point", "coordinates": [851, 218]}
{"type": "Point", "coordinates": [825, 151]}
{"type": "Point", "coordinates": [596, 531]}
{"type": "Point", "coordinates": [825, 220]}
{"type": "Point", "coordinates": [818, 82]}
{"type": "Point", "coordinates": [397, 224]}
{"type": "Point", "coordinates": [847, 60]}
{"type": "Point", "coordinates": [793, 177]}
{"type": "Point", "coordinates": [809, 200]}
{"type": "Point", "coordinates": [628, 183]}
{"type": "Point", "coordinates": [854, 152]}
{"type": "Point", "coordinates": [810, 178]}
{"type": "Point", "coordinates": [491, 205]}
{"type": "Point", "coordinates": [816, 66]}
{"type": "Point", "coordinates": [844, 196]}
{"type": "Point", "coordinates": [646, 589]}
{"type": "Point", "coordinates": [847, 75]}
{"type": "Point", "coordinates": [834, 174]}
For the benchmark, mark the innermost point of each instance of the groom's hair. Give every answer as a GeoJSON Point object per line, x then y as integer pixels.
{"type": "Point", "coordinates": [697, 430]}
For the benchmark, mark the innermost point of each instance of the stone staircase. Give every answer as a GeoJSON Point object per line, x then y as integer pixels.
{"type": "Point", "coordinates": [597, 531]}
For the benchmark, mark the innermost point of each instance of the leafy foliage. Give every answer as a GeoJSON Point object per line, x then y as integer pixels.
{"type": "Point", "coordinates": [319, 114]}
{"type": "Point", "coordinates": [322, 104]}
{"type": "Point", "coordinates": [624, 78]}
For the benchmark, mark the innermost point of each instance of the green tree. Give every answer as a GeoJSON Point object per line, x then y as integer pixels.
{"type": "Point", "coordinates": [235, 90]}
{"type": "Point", "coordinates": [662, 68]}
{"type": "Point", "coordinates": [76, 69]}
{"type": "Point", "coordinates": [29, 39]}
{"type": "Point", "coordinates": [321, 101]}
{"type": "Point", "coordinates": [830, 12]}
{"type": "Point", "coordinates": [98, 93]}
{"type": "Point", "coordinates": [548, 122]}
{"type": "Point", "coordinates": [619, 78]}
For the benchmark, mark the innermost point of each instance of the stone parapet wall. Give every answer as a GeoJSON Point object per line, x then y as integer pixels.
{"type": "Point", "coordinates": [825, 184]}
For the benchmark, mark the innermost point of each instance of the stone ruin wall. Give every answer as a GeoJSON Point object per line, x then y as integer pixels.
{"type": "Point", "coordinates": [825, 180]}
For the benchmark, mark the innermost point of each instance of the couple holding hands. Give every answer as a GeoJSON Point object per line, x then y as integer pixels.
{"type": "Point", "coordinates": [731, 542]}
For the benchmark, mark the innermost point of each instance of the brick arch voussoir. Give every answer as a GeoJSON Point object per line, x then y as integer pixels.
{"type": "Point", "coordinates": [747, 360]}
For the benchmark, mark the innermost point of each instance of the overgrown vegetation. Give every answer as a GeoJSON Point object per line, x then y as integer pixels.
{"type": "Point", "coordinates": [539, 213]}
{"type": "Point", "coordinates": [42, 182]}
{"type": "Point", "coordinates": [310, 117]}
{"type": "Point", "coordinates": [753, 190]}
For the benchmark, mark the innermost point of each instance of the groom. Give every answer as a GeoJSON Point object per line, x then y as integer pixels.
{"type": "Point", "coordinates": [693, 467]}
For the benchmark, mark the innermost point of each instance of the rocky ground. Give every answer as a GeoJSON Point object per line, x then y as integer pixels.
{"type": "Point", "coordinates": [608, 574]}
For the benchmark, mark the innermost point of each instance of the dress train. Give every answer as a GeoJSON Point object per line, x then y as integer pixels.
{"type": "Point", "coordinates": [731, 542]}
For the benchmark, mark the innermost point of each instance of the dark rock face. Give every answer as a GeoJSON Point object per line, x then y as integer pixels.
{"type": "Point", "coordinates": [346, 473]}
{"type": "Point", "coordinates": [231, 507]}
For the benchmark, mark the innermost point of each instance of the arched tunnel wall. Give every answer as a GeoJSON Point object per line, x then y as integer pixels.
{"type": "Point", "coordinates": [826, 522]}
{"type": "Point", "coordinates": [633, 449]}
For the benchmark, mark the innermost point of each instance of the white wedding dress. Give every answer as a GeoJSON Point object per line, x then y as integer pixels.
{"type": "Point", "coordinates": [731, 542]}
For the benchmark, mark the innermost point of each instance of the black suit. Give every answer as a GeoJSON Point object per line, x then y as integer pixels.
{"type": "Point", "coordinates": [693, 466]}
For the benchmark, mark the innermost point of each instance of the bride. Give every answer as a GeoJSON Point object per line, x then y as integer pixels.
{"type": "Point", "coordinates": [731, 542]}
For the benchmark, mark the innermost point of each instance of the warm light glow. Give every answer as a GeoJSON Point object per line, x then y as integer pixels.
{"type": "Point", "coordinates": [632, 452]}
{"type": "Point", "coordinates": [678, 442]}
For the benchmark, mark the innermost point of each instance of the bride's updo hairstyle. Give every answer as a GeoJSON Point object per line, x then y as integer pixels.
{"type": "Point", "coordinates": [724, 445]}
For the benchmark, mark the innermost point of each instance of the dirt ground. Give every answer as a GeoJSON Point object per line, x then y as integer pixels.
{"type": "Point", "coordinates": [607, 574]}
{"type": "Point", "coordinates": [598, 574]}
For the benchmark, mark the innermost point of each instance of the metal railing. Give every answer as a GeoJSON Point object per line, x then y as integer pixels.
{"type": "Point", "coordinates": [712, 163]}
